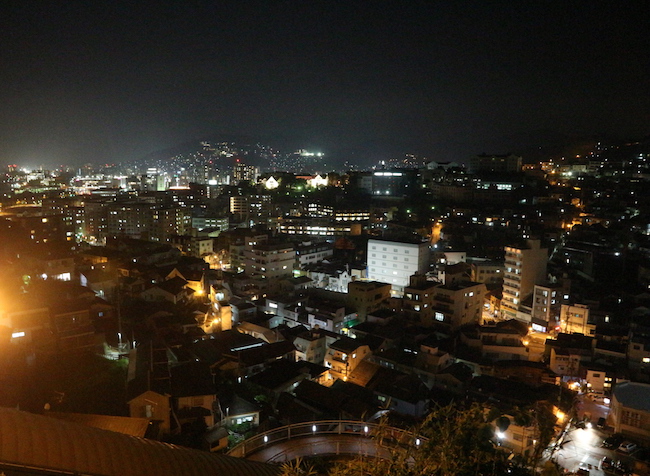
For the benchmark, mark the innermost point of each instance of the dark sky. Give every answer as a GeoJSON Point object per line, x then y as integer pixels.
{"type": "Point", "coordinates": [114, 80]}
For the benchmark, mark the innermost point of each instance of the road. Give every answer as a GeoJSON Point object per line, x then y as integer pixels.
{"type": "Point", "coordinates": [583, 447]}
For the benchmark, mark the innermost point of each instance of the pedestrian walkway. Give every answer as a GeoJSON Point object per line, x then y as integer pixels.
{"type": "Point", "coordinates": [325, 438]}
{"type": "Point", "coordinates": [319, 445]}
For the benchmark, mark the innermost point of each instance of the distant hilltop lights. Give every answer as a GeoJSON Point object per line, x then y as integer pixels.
{"type": "Point", "coordinates": [306, 153]}
{"type": "Point", "coordinates": [312, 181]}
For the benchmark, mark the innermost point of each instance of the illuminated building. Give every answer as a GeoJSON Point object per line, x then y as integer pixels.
{"type": "Point", "coordinates": [394, 262]}
{"type": "Point", "coordinates": [255, 209]}
{"type": "Point", "coordinates": [318, 227]}
{"type": "Point", "coordinates": [525, 266]}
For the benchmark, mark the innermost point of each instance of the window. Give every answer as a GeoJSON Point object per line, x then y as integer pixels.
{"type": "Point", "coordinates": [439, 316]}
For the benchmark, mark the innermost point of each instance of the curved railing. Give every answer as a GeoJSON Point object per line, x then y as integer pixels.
{"type": "Point", "coordinates": [385, 435]}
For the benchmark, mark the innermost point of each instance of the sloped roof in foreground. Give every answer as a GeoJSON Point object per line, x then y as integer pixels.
{"type": "Point", "coordinates": [40, 442]}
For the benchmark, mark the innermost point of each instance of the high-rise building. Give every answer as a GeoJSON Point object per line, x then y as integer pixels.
{"type": "Point", "coordinates": [525, 266]}
{"type": "Point", "coordinates": [244, 173]}
{"type": "Point", "coordinates": [255, 209]}
{"type": "Point", "coordinates": [394, 262]}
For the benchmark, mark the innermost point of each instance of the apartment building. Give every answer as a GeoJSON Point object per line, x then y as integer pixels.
{"type": "Point", "coordinates": [525, 265]}
{"type": "Point", "coordinates": [394, 262]}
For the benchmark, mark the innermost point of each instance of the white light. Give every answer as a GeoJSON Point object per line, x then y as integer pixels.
{"type": "Point", "coordinates": [365, 429]}
{"type": "Point", "coordinates": [266, 439]}
{"type": "Point", "coordinates": [500, 435]}
{"type": "Point", "coordinates": [313, 428]}
{"type": "Point", "coordinates": [417, 442]}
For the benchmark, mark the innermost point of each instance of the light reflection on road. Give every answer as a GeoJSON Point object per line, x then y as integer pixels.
{"type": "Point", "coordinates": [583, 447]}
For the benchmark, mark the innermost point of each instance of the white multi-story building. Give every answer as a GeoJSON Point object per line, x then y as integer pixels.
{"type": "Point", "coordinates": [524, 267]}
{"type": "Point", "coordinates": [394, 262]}
{"type": "Point", "coordinates": [312, 252]}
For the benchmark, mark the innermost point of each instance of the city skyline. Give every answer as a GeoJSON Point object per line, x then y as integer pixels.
{"type": "Point", "coordinates": [114, 83]}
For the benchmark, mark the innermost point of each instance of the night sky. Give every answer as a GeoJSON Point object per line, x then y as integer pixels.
{"type": "Point", "coordinates": [112, 81]}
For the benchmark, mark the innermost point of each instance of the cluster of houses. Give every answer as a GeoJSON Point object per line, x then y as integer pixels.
{"type": "Point", "coordinates": [297, 336]}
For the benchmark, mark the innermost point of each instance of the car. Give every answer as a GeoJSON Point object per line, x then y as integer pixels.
{"type": "Point", "coordinates": [627, 447]}
{"type": "Point", "coordinates": [613, 441]}
{"type": "Point", "coordinates": [602, 422]}
{"type": "Point", "coordinates": [607, 463]}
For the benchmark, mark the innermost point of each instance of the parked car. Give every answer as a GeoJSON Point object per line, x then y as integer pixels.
{"type": "Point", "coordinates": [627, 447]}
{"type": "Point", "coordinates": [607, 463]}
{"type": "Point", "coordinates": [621, 469]}
{"type": "Point", "coordinates": [613, 441]}
{"type": "Point", "coordinates": [602, 422]}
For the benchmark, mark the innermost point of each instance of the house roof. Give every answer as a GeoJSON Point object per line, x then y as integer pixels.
{"type": "Point", "coordinates": [192, 379]}
{"type": "Point", "coordinates": [398, 385]}
{"type": "Point", "coordinates": [234, 405]}
{"type": "Point", "coordinates": [126, 425]}
{"type": "Point", "coordinates": [347, 344]}
{"type": "Point", "coordinates": [263, 353]}
{"type": "Point", "coordinates": [173, 286]}
{"type": "Point", "coordinates": [633, 395]}
{"type": "Point", "coordinates": [49, 444]}
{"type": "Point", "coordinates": [210, 349]}
{"type": "Point", "coordinates": [278, 374]}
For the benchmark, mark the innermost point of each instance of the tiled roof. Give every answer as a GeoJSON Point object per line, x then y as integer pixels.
{"type": "Point", "coordinates": [39, 442]}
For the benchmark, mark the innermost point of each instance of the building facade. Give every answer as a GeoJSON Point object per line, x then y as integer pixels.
{"type": "Point", "coordinates": [394, 262]}
{"type": "Point", "coordinates": [525, 265]}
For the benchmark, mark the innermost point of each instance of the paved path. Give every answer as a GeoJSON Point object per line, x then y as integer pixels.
{"type": "Point", "coordinates": [326, 445]}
